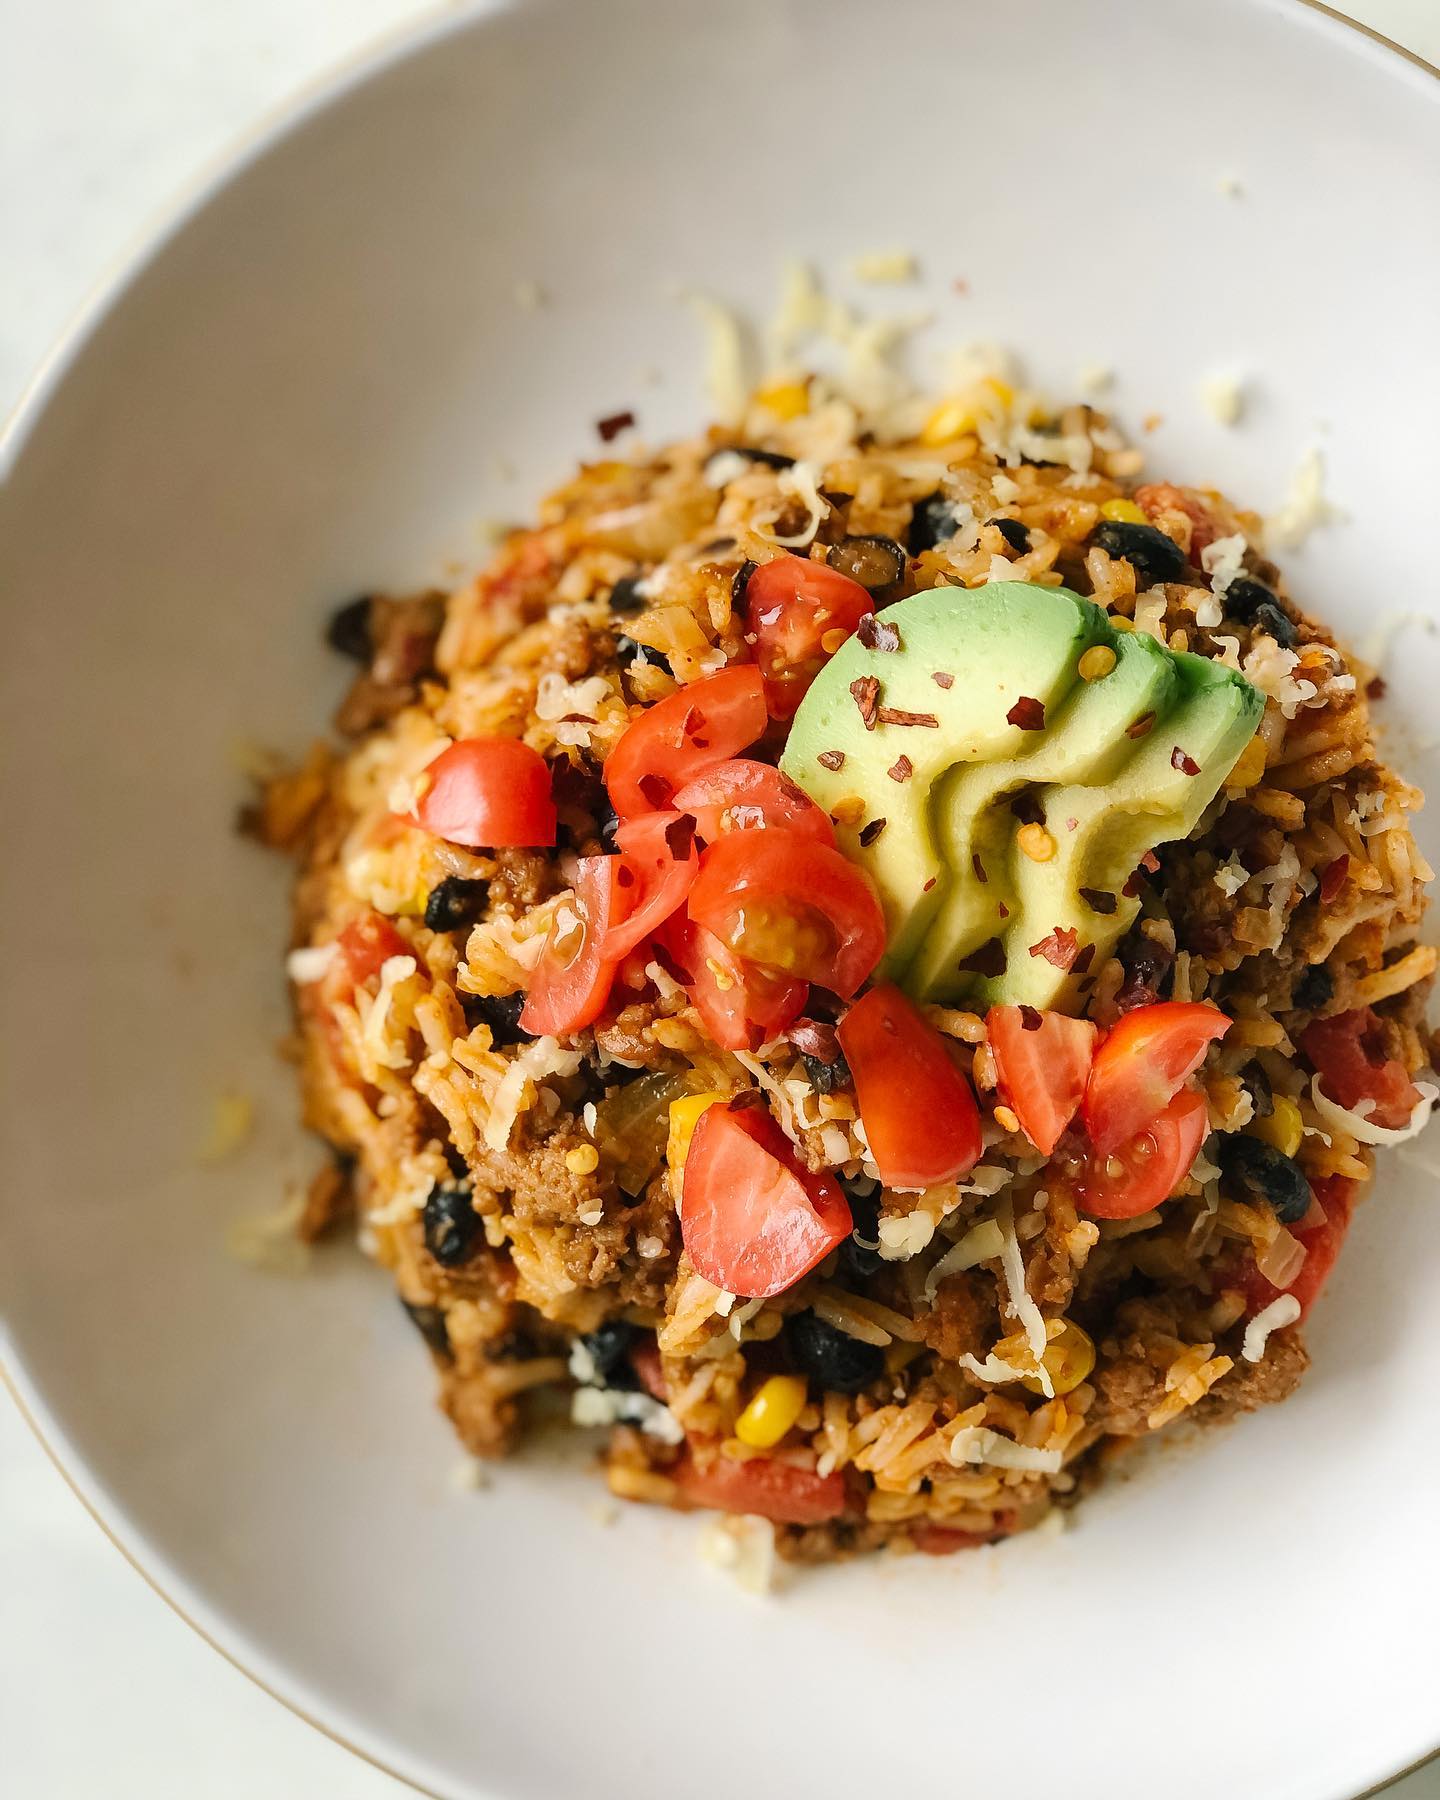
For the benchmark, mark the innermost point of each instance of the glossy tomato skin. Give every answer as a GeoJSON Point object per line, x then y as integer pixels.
{"type": "Point", "coordinates": [658, 865]}
{"type": "Point", "coordinates": [742, 1006]}
{"type": "Point", "coordinates": [792, 905]}
{"type": "Point", "coordinates": [571, 983]}
{"type": "Point", "coordinates": [744, 795]}
{"type": "Point", "coordinates": [488, 793]}
{"type": "Point", "coordinates": [1043, 1062]}
{"type": "Point", "coordinates": [1142, 1065]}
{"type": "Point", "coordinates": [366, 944]}
{"type": "Point", "coordinates": [1146, 1170]}
{"type": "Point", "coordinates": [791, 604]}
{"type": "Point", "coordinates": [918, 1111]}
{"type": "Point", "coordinates": [1348, 1051]}
{"type": "Point", "coordinates": [680, 737]}
{"type": "Point", "coordinates": [754, 1220]}
{"type": "Point", "coordinates": [761, 1485]}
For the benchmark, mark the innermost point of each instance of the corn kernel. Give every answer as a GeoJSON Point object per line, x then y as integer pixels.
{"type": "Point", "coordinates": [785, 399]}
{"type": "Point", "coordinates": [1249, 765]}
{"type": "Point", "coordinates": [776, 1406]}
{"type": "Point", "coordinates": [584, 1159]}
{"type": "Point", "coordinates": [1096, 663]}
{"type": "Point", "coordinates": [831, 640]}
{"type": "Point", "coordinates": [1283, 1130]}
{"type": "Point", "coordinates": [1123, 512]}
{"type": "Point", "coordinates": [1118, 622]}
{"type": "Point", "coordinates": [1035, 842]}
{"type": "Point", "coordinates": [952, 418]}
{"type": "Point", "coordinates": [684, 1117]}
{"type": "Point", "coordinates": [1068, 1359]}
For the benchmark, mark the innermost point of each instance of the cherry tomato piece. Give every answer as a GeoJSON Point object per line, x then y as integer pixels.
{"type": "Point", "coordinates": [945, 1540]}
{"type": "Point", "coordinates": [488, 793]}
{"type": "Point", "coordinates": [793, 605]}
{"type": "Point", "coordinates": [792, 905]}
{"type": "Point", "coordinates": [753, 1218]}
{"type": "Point", "coordinates": [772, 1490]}
{"type": "Point", "coordinates": [1139, 1174]}
{"type": "Point", "coordinates": [1160, 496]}
{"type": "Point", "coordinates": [1142, 1065]}
{"type": "Point", "coordinates": [366, 944]}
{"type": "Point", "coordinates": [742, 795]}
{"type": "Point", "coordinates": [919, 1114]}
{"type": "Point", "coordinates": [681, 737]}
{"type": "Point", "coordinates": [571, 982]}
{"type": "Point", "coordinates": [658, 866]}
{"type": "Point", "coordinates": [1043, 1061]}
{"type": "Point", "coordinates": [742, 1006]}
{"type": "Point", "coordinates": [1348, 1050]}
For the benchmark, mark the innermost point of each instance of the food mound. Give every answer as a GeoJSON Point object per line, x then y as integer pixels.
{"type": "Point", "coordinates": [874, 965]}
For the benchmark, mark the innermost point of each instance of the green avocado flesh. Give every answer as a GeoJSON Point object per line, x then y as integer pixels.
{"type": "Point", "coordinates": [1105, 776]}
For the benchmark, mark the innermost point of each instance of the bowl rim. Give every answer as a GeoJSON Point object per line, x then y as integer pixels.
{"type": "Point", "coordinates": [147, 243]}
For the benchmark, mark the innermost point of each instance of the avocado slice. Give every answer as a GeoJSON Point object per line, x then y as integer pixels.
{"type": "Point", "coordinates": [958, 662]}
{"type": "Point", "coordinates": [1086, 743]}
{"type": "Point", "coordinates": [1101, 832]}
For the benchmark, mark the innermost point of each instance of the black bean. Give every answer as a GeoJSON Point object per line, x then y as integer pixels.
{"type": "Point", "coordinates": [1014, 534]}
{"type": "Point", "coordinates": [501, 1012]}
{"type": "Point", "coordinates": [931, 523]}
{"type": "Point", "coordinates": [1149, 552]}
{"type": "Point", "coordinates": [1244, 595]}
{"type": "Point", "coordinates": [876, 563]}
{"type": "Point", "coordinates": [455, 902]}
{"type": "Point", "coordinates": [856, 1258]}
{"type": "Point", "coordinates": [514, 1346]}
{"type": "Point", "coordinates": [1262, 1097]}
{"type": "Point", "coordinates": [609, 1348]}
{"type": "Point", "coordinates": [1262, 1173]}
{"type": "Point", "coordinates": [1279, 624]}
{"type": "Point", "coordinates": [1314, 989]}
{"type": "Point", "coordinates": [625, 596]}
{"type": "Point", "coordinates": [836, 1362]}
{"type": "Point", "coordinates": [349, 629]}
{"type": "Point", "coordinates": [1148, 970]}
{"type": "Point", "coordinates": [607, 821]}
{"type": "Point", "coordinates": [825, 1077]}
{"type": "Point", "coordinates": [630, 653]}
{"type": "Point", "coordinates": [429, 1321]}
{"type": "Point", "coordinates": [452, 1226]}
{"type": "Point", "coordinates": [741, 582]}
{"type": "Point", "coordinates": [459, 1168]}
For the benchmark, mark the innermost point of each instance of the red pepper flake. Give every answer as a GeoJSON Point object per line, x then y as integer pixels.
{"type": "Point", "coordinates": [1375, 688]}
{"type": "Point", "coordinates": [1030, 1019]}
{"type": "Point", "coordinates": [877, 634]}
{"type": "Point", "coordinates": [928, 885]}
{"type": "Point", "coordinates": [943, 678]}
{"type": "Point", "coordinates": [978, 867]}
{"type": "Point", "coordinates": [1083, 960]}
{"type": "Point", "coordinates": [1150, 862]}
{"type": "Point", "coordinates": [1060, 947]}
{"type": "Point", "coordinates": [869, 833]}
{"type": "Point", "coordinates": [989, 960]}
{"type": "Point", "coordinates": [657, 790]}
{"type": "Point", "coordinates": [813, 1037]}
{"type": "Point", "coordinates": [1004, 910]}
{"type": "Point", "coordinates": [895, 715]}
{"type": "Point", "coordinates": [866, 693]}
{"type": "Point", "coordinates": [612, 426]}
{"type": "Point", "coordinates": [680, 837]}
{"type": "Point", "coordinates": [831, 759]}
{"type": "Point", "coordinates": [901, 769]}
{"type": "Point", "coordinates": [1098, 900]}
{"type": "Point", "coordinates": [1071, 824]}
{"type": "Point", "coordinates": [1186, 765]}
{"type": "Point", "coordinates": [1027, 713]}
{"type": "Point", "coordinates": [1332, 878]}
{"type": "Point", "coordinates": [1141, 727]}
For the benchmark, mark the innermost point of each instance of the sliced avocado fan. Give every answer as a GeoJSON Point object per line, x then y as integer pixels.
{"type": "Point", "coordinates": [961, 721]}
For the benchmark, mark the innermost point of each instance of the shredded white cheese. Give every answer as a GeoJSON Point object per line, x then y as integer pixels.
{"type": "Point", "coordinates": [885, 266]}
{"type": "Point", "coordinates": [1356, 1122]}
{"type": "Point", "coordinates": [532, 1065]}
{"type": "Point", "coordinates": [1223, 561]}
{"type": "Point", "coordinates": [1223, 398]}
{"type": "Point", "coordinates": [311, 963]}
{"type": "Point", "coordinates": [1279, 1313]}
{"type": "Point", "coordinates": [726, 379]}
{"type": "Point", "coordinates": [743, 1546]}
{"type": "Point", "coordinates": [978, 1444]}
{"type": "Point", "coordinates": [612, 1406]}
{"type": "Point", "coordinates": [726, 466]}
{"type": "Point", "coordinates": [1306, 508]}
{"type": "Point", "coordinates": [981, 1243]}
{"type": "Point", "coordinates": [1232, 875]}
{"type": "Point", "coordinates": [801, 481]}
{"type": "Point", "coordinates": [905, 1236]}
{"type": "Point", "coordinates": [1021, 1307]}
{"type": "Point", "coordinates": [393, 971]}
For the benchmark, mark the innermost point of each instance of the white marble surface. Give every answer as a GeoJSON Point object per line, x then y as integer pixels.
{"type": "Point", "coordinates": [105, 113]}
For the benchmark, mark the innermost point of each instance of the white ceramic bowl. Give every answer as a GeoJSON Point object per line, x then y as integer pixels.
{"type": "Point", "coordinates": [307, 388]}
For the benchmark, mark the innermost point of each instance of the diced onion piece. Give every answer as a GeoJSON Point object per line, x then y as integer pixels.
{"type": "Point", "coordinates": [981, 1243]}
{"type": "Point", "coordinates": [1282, 1259]}
{"type": "Point", "coordinates": [1360, 1128]}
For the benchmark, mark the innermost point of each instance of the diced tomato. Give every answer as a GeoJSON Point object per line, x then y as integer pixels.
{"type": "Point", "coordinates": [1142, 1065]}
{"type": "Point", "coordinates": [918, 1111]}
{"type": "Point", "coordinates": [365, 944]}
{"type": "Point", "coordinates": [791, 905]}
{"type": "Point", "coordinates": [743, 1006]}
{"type": "Point", "coordinates": [742, 795]}
{"type": "Point", "coordinates": [1348, 1050]}
{"type": "Point", "coordinates": [658, 865]}
{"type": "Point", "coordinates": [753, 1218]}
{"type": "Point", "coordinates": [645, 1361]}
{"type": "Point", "coordinates": [1139, 1174]}
{"type": "Point", "coordinates": [488, 793]}
{"type": "Point", "coordinates": [571, 982]}
{"type": "Point", "coordinates": [772, 1490]}
{"type": "Point", "coordinates": [1042, 1060]}
{"type": "Point", "coordinates": [1160, 496]}
{"type": "Point", "coordinates": [681, 737]}
{"type": "Point", "coordinates": [792, 605]}
{"type": "Point", "coordinates": [945, 1540]}
{"type": "Point", "coordinates": [1335, 1197]}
